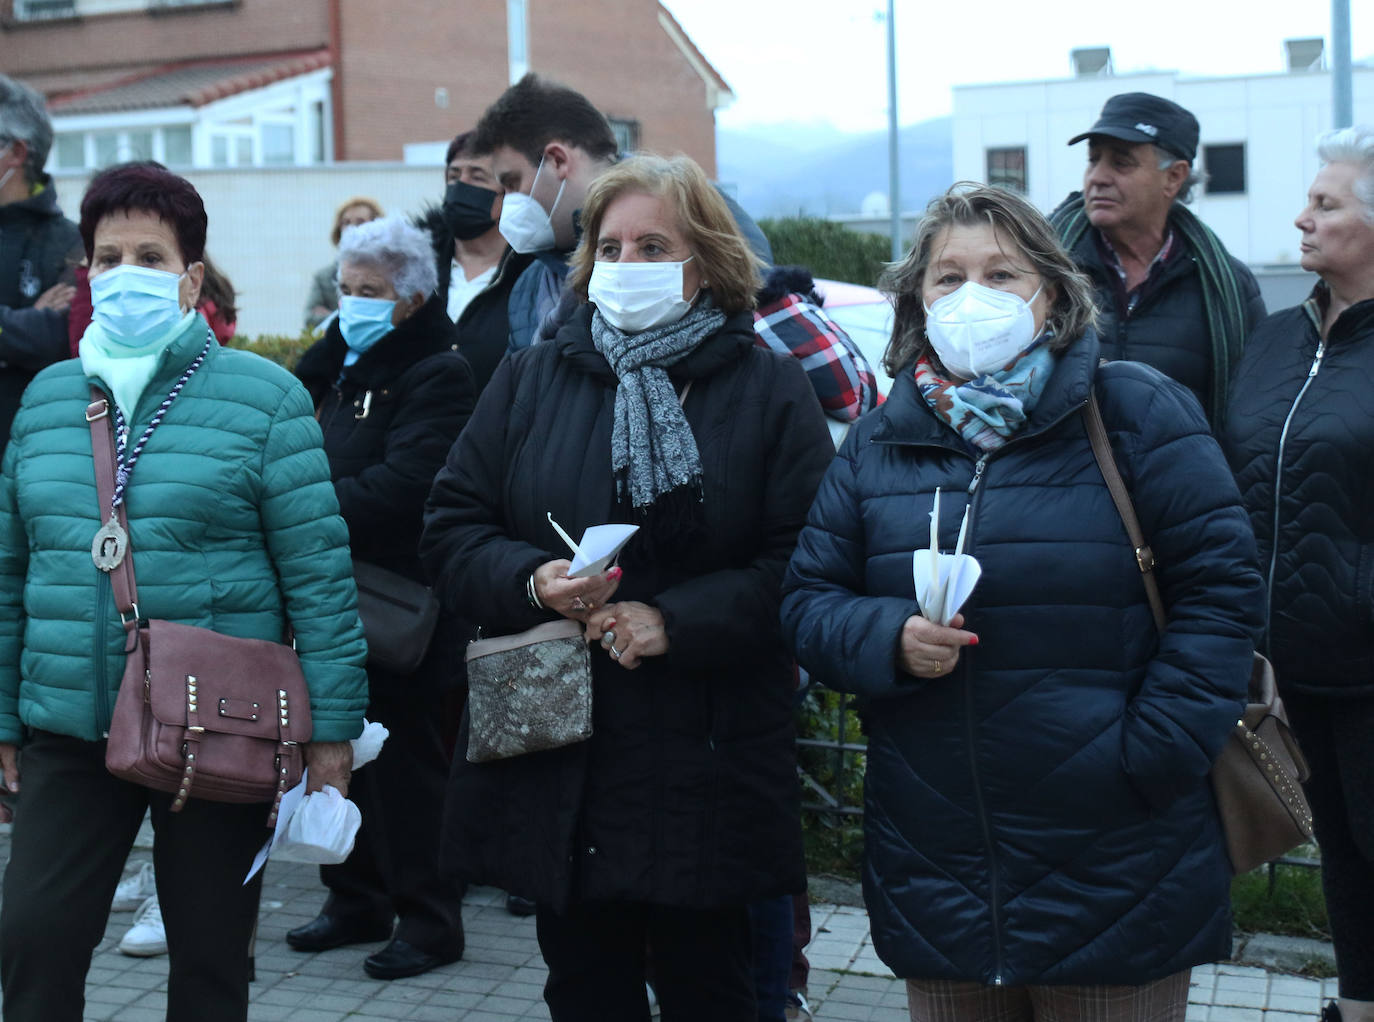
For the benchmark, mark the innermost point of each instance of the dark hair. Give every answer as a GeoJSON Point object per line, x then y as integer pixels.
{"type": "Point", "coordinates": [1024, 226]}
{"type": "Point", "coordinates": [217, 288]}
{"type": "Point", "coordinates": [146, 187]}
{"type": "Point", "coordinates": [461, 145]}
{"type": "Point", "coordinates": [534, 112]}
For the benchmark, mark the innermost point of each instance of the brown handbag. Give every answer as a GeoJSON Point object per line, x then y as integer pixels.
{"type": "Point", "coordinates": [1257, 779]}
{"type": "Point", "coordinates": [199, 714]}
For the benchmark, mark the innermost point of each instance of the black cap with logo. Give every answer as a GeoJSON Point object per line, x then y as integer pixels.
{"type": "Point", "coordinates": [1140, 117]}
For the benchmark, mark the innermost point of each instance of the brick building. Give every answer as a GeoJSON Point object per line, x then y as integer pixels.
{"type": "Point", "coordinates": [235, 83]}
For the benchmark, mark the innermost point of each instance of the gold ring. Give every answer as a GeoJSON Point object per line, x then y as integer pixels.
{"type": "Point", "coordinates": [939, 665]}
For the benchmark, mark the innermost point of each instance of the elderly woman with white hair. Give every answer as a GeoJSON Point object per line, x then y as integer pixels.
{"type": "Point", "coordinates": [392, 392]}
{"type": "Point", "coordinates": [1298, 435]}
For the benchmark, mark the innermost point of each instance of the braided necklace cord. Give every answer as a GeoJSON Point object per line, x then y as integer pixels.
{"type": "Point", "coordinates": [128, 459]}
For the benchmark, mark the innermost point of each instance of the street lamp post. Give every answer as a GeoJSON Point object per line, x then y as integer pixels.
{"type": "Point", "coordinates": [894, 191]}
{"type": "Point", "coordinates": [1342, 94]}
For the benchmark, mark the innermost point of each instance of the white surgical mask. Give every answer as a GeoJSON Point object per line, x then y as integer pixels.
{"type": "Point", "coordinates": [977, 330]}
{"type": "Point", "coordinates": [134, 304]}
{"type": "Point", "coordinates": [524, 223]}
{"type": "Point", "coordinates": [639, 296]}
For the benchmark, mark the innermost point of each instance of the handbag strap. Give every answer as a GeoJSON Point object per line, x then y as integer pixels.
{"type": "Point", "coordinates": [122, 579]}
{"type": "Point", "coordinates": [1116, 486]}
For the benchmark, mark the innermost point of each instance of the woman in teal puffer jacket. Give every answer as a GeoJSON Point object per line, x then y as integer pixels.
{"type": "Point", "coordinates": [236, 528]}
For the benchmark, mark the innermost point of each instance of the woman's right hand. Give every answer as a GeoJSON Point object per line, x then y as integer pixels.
{"type": "Point", "coordinates": [9, 763]}
{"type": "Point", "coordinates": [929, 650]}
{"type": "Point", "coordinates": [574, 598]}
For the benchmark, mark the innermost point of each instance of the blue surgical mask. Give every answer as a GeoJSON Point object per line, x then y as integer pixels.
{"type": "Point", "coordinates": [364, 321]}
{"type": "Point", "coordinates": [132, 305]}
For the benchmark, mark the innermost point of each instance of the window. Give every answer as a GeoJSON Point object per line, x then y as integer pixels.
{"type": "Point", "coordinates": [278, 144]}
{"type": "Point", "coordinates": [626, 135]}
{"type": "Point", "coordinates": [1225, 166]}
{"type": "Point", "coordinates": [176, 146]}
{"type": "Point", "coordinates": [1007, 168]}
{"type": "Point", "coordinates": [70, 150]}
{"type": "Point", "coordinates": [43, 10]}
{"type": "Point", "coordinates": [518, 33]}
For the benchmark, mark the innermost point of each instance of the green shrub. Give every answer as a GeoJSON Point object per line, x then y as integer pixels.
{"type": "Point", "coordinates": [834, 843]}
{"type": "Point", "coordinates": [828, 249]}
{"type": "Point", "coordinates": [1294, 907]}
{"type": "Point", "coordinates": [281, 349]}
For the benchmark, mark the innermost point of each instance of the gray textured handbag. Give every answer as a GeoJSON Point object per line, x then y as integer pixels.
{"type": "Point", "coordinates": [529, 691]}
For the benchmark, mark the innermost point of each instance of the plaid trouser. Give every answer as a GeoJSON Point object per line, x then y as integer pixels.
{"type": "Point", "coordinates": [1164, 1000]}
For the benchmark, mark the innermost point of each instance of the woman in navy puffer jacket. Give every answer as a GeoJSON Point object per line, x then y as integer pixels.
{"type": "Point", "coordinates": [1037, 815]}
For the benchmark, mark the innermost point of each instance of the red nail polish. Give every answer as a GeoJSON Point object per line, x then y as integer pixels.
{"type": "Point", "coordinates": [973, 641]}
{"type": "Point", "coordinates": [615, 573]}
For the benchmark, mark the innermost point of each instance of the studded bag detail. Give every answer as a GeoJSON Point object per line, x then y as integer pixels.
{"type": "Point", "coordinates": [199, 714]}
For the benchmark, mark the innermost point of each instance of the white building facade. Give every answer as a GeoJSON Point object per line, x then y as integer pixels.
{"type": "Point", "coordinates": [1257, 143]}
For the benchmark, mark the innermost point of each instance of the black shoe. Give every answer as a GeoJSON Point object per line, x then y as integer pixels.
{"type": "Point", "coordinates": [324, 932]}
{"type": "Point", "coordinates": [518, 906]}
{"type": "Point", "coordinates": [401, 958]}
{"type": "Point", "coordinates": [1331, 1012]}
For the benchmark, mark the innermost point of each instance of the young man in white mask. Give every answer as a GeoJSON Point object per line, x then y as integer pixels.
{"type": "Point", "coordinates": [39, 248]}
{"type": "Point", "coordinates": [547, 145]}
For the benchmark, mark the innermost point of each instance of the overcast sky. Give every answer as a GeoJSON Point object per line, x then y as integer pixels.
{"type": "Point", "coordinates": [807, 60]}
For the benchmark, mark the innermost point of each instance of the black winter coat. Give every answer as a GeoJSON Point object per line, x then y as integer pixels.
{"type": "Point", "coordinates": [1042, 814]}
{"type": "Point", "coordinates": [484, 326]}
{"type": "Point", "coordinates": [1168, 329]}
{"type": "Point", "coordinates": [686, 794]}
{"type": "Point", "coordinates": [39, 247]}
{"type": "Point", "coordinates": [388, 420]}
{"type": "Point", "coordinates": [1300, 439]}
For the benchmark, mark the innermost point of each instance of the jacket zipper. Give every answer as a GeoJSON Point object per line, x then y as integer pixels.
{"type": "Point", "coordinates": [102, 695]}
{"type": "Point", "coordinates": [994, 887]}
{"type": "Point", "coordinates": [1278, 484]}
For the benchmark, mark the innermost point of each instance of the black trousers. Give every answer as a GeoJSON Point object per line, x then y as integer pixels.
{"type": "Point", "coordinates": [393, 870]}
{"type": "Point", "coordinates": [74, 825]}
{"type": "Point", "coordinates": [596, 958]}
{"type": "Point", "coordinates": [1337, 738]}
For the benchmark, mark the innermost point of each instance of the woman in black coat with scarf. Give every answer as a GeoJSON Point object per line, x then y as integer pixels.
{"type": "Point", "coordinates": [653, 406]}
{"type": "Point", "coordinates": [392, 393]}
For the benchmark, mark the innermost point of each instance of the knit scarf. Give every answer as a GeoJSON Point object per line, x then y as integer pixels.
{"type": "Point", "coordinates": [988, 410]}
{"type": "Point", "coordinates": [1222, 303]}
{"type": "Point", "coordinates": [653, 451]}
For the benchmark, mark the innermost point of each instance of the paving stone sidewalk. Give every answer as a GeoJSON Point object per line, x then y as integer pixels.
{"type": "Point", "coordinates": [501, 975]}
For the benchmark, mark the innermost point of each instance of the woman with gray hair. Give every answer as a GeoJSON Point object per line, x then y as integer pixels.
{"type": "Point", "coordinates": [1040, 838]}
{"type": "Point", "coordinates": [392, 392]}
{"type": "Point", "coordinates": [1298, 436]}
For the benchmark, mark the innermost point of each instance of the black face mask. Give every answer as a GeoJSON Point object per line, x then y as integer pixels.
{"type": "Point", "coordinates": [467, 210]}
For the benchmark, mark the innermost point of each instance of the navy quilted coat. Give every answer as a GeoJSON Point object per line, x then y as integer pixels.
{"type": "Point", "coordinates": [1041, 815]}
{"type": "Point", "coordinates": [1300, 438]}
{"type": "Point", "coordinates": [233, 523]}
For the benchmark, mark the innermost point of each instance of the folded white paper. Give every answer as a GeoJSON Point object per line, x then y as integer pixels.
{"type": "Point", "coordinates": [600, 546]}
{"type": "Point", "coordinates": [368, 744]}
{"type": "Point", "coordinates": [943, 581]}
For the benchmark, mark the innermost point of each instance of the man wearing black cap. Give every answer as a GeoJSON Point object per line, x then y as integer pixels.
{"type": "Point", "coordinates": [1169, 293]}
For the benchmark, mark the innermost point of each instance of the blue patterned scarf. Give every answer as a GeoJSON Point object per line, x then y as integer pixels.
{"type": "Point", "coordinates": [988, 410]}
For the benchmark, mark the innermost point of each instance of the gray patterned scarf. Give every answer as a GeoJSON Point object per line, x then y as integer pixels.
{"type": "Point", "coordinates": [653, 451]}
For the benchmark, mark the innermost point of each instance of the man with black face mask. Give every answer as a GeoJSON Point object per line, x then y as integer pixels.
{"type": "Point", "coordinates": [476, 267]}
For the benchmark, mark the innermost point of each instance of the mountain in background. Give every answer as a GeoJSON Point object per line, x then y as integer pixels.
{"type": "Point", "coordinates": [817, 170]}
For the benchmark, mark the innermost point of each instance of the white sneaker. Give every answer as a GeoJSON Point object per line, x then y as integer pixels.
{"type": "Point", "coordinates": [135, 890]}
{"type": "Point", "coordinates": [147, 937]}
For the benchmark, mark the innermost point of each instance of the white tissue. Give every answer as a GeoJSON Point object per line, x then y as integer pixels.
{"type": "Point", "coordinates": [321, 830]}
{"type": "Point", "coordinates": [368, 744]}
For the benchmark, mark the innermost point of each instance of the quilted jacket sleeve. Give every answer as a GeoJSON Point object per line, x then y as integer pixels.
{"type": "Point", "coordinates": [14, 561]}
{"type": "Point", "coordinates": [847, 641]}
{"type": "Point", "coordinates": [1206, 564]}
{"type": "Point", "coordinates": [308, 544]}
{"type": "Point", "coordinates": [724, 612]}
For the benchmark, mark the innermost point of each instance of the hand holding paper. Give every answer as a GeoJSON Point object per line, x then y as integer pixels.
{"type": "Point", "coordinates": [600, 546]}
{"type": "Point", "coordinates": [944, 581]}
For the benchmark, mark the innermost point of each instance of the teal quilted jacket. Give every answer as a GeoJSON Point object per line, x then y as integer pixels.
{"type": "Point", "coordinates": [232, 520]}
